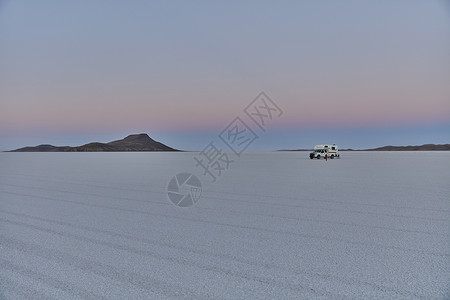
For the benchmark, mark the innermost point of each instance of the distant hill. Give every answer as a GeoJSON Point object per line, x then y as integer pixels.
{"type": "Point", "coordinates": [134, 142]}
{"type": "Point", "coordinates": [426, 147]}
{"type": "Point", "coordinates": [288, 150]}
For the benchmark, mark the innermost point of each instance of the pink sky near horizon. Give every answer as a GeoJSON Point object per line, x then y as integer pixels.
{"type": "Point", "coordinates": [356, 107]}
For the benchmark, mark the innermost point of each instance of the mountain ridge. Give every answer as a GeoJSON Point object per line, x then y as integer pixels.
{"type": "Point", "coordinates": [133, 142]}
{"type": "Point", "coordinates": [424, 147]}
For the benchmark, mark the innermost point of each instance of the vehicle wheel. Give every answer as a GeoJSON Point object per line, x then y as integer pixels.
{"type": "Point", "coordinates": [332, 156]}
{"type": "Point", "coordinates": [318, 156]}
{"type": "Point", "coordinates": [311, 156]}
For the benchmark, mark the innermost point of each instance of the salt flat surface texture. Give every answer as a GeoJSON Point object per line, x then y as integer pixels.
{"type": "Point", "coordinates": [371, 225]}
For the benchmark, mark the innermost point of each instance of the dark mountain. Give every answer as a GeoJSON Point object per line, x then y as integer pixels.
{"type": "Point", "coordinates": [139, 142]}
{"type": "Point", "coordinates": [134, 142]}
{"type": "Point", "coordinates": [42, 148]}
{"type": "Point", "coordinates": [426, 147]}
{"type": "Point", "coordinates": [290, 150]}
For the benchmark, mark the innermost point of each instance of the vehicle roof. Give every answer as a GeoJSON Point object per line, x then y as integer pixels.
{"type": "Point", "coordinates": [323, 146]}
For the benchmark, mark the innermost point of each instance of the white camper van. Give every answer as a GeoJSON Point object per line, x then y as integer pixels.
{"type": "Point", "coordinates": [331, 151]}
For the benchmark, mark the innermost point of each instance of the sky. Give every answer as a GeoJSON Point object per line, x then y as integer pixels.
{"type": "Point", "coordinates": [360, 74]}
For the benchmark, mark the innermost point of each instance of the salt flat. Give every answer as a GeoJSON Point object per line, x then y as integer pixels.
{"type": "Point", "coordinates": [371, 225]}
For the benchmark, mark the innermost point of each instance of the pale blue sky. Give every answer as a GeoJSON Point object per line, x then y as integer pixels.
{"type": "Point", "coordinates": [355, 73]}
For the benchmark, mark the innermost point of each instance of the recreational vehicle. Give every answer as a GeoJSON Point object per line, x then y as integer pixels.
{"type": "Point", "coordinates": [325, 151]}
